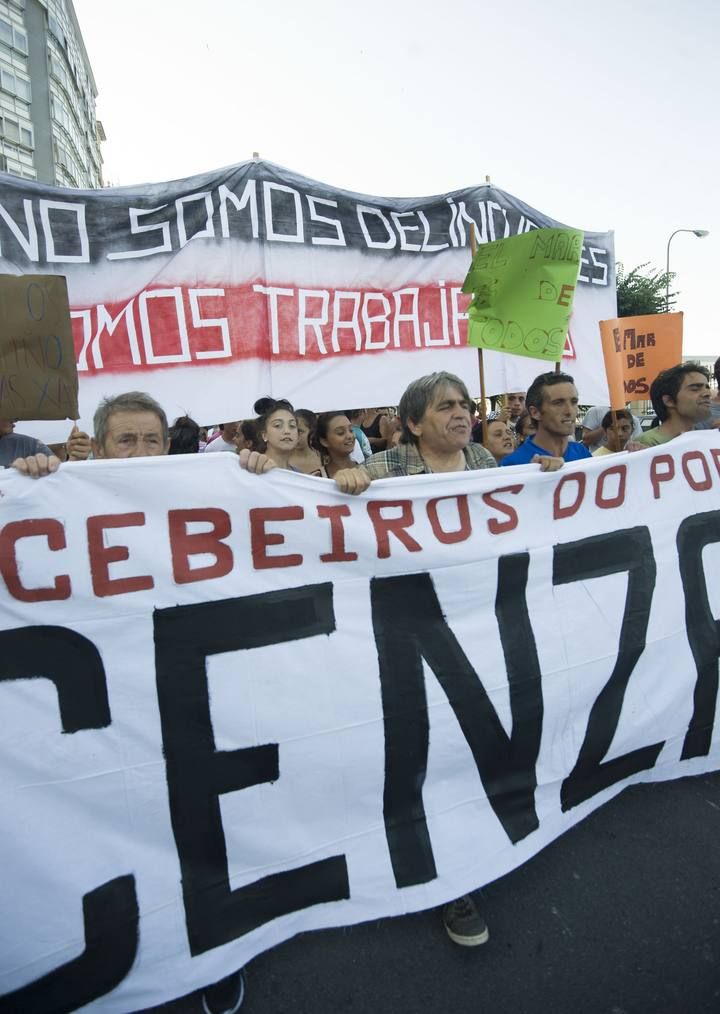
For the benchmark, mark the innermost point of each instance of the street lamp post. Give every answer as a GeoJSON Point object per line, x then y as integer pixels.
{"type": "Point", "coordinates": [696, 232]}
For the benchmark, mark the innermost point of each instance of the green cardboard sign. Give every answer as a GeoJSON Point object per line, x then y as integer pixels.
{"type": "Point", "coordinates": [523, 289]}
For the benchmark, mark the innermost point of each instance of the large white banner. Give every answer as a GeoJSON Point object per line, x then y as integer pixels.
{"type": "Point", "coordinates": [238, 707]}
{"type": "Point", "coordinates": [211, 291]}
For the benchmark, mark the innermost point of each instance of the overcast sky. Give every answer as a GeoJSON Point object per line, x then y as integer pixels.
{"type": "Point", "coordinates": [603, 116]}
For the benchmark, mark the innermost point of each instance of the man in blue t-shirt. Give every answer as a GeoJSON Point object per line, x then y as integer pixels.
{"type": "Point", "coordinates": [552, 401]}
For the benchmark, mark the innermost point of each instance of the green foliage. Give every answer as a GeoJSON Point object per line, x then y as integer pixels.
{"type": "Point", "coordinates": [639, 293]}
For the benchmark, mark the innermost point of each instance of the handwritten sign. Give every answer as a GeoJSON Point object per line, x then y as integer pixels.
{"type": "Point", "coordinates": [523, 290]}
{"type": "Point", "coordinates": [38, 376]}
{"type": "Point", "coordinates": [636, 349]}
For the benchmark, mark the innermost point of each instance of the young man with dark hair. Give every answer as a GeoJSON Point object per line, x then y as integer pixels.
{"type": "Point", "coordinates": [594, 435]}
{"type": "Point", "coordinates": [552, 401]}
{"type": "Point", "coordinates": [681, 398]}
{"type": "Point", "coordinates": [618, 429]}
{"type": "Point", "coordinates": [510, 409]}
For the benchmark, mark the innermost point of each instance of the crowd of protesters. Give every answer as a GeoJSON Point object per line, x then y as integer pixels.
{"type": "Point", "coordinates": [522, 425]}
{"type": "Point", "coordinates": [436, 429]}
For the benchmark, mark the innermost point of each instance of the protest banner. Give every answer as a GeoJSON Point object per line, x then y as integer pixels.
{"type": "Point", "coordinates": [38, 376]}
{"type": "Point", "coordinates": [229, 719]}
{"type": "Point", "coordinates": [211, 291]}
{"type": "Point", "coordinates": [523, 290]}
{"type": "Point", "coordinates": [636, 349]}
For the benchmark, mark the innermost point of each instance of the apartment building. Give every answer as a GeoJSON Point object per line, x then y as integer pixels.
{"type": "Point", "coordinates": [48, 128]}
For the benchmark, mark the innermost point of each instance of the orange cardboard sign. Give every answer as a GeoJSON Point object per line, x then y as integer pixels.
{"type": "Point", "coordinates": [636, 349]}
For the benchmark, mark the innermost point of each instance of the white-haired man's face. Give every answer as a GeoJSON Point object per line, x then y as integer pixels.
{"type": "Point", "coordinates": [132, 435]}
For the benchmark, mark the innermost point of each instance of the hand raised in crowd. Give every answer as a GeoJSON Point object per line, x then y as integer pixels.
{"type": "Point", "coordinates": [387, 426]}
{"type": "Point", "coordinates": [78, 445]}
{"type": "Point", "coordinates": [547, 463]}
{"type": "Point", "coordinates": [36, 465]}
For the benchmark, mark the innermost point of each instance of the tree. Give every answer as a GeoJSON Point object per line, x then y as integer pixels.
{"type": "Point", "coordinates": [639, 293]}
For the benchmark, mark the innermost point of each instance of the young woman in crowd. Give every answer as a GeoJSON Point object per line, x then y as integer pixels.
{"type": "Point", "coordinates": [306, 459]}
{"type": "Point", "coordinates": [376, 427]}
{"type": "Point", "coordinates": [247, 435]}
{"type": "Point", "coordinates": [499, 440]}
{"type": "Point", "coordinates": [277, 428]}
{"type": "Point", "coordinates": [184, 436]}
{"type": "Point", "coordinates": [334, 439]}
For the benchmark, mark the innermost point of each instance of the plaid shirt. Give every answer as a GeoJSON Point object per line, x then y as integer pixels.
{"type": "Point", "coordinates": [405, 459]}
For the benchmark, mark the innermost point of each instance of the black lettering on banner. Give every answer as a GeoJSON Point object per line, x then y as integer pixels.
{"type": "Point", "coordinates": [110, 914]}
{"type": "Point", "coordinates": [703, 630]}
{"type": "Point", "coordinates": [70, 661]}
{"type": "Point", "coordinates": [627, 550]}
{"type": "Point", "coordinates": [198, 774]}
{"type": "Point", "coordinates": [409, 625]}
{"type": "Point", "coordinates": [73, 664]}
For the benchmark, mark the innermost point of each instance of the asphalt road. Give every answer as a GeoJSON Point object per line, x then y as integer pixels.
{"type": "Point", "coordinates": [619, 916]}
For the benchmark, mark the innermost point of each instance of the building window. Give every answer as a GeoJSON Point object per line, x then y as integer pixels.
{"type": "Point", "coordinates": [54, 26]}
{"type": "Point", "coordinates": [14, 84]}
{"type": "Point", "coordinates": [13, 37]}
{"type": "Point", "coordinates": [11, 128]}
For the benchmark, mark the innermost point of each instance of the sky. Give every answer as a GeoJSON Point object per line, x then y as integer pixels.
{"type": "Point", "coordinates": [603, 116]}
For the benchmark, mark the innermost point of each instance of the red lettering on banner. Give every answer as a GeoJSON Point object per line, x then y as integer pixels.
{"type": "Point", "coordinates": [496, 527]}
{"type": "Point", "coordinates": [9, 537]}
{"type": "Point", "coordinates": [689, 456]}
{"type": "Point", "coordinates": [183, 326]}
{"type": "Point", "coordinates": [260, 539]}
{"type": "Point", "coordinates": [656, 476]}
{"type": "Point", "coordinates": [385, 527]}
{"type": "Point", "coordinates": [338, 553]}
{"type": "Point", "coordinates": [715, 454]}
{"type": "Point", "coordinates": [567, 512]}
{"type": "Point", "coordinates": [101, 556]}
{"type": "Point", "coordinates": [619, 498]}
{"type": "Point", "coordinates": [460, 534]}
{"type": "Point", "coordinates": [183, 544]}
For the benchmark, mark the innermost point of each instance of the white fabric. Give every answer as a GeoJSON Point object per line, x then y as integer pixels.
{"type": "Point", "coordinates": [210, 291]}
{"type": "Point", "coordinates": [83, 807]}
{"type": "Point", "coordinates": [356, 454]}
{"type": "Point", "coordinates": [220, 444]}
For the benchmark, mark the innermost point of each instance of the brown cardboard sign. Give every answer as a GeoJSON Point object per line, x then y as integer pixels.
{"type": "Point", "coordinates": [38, 374]}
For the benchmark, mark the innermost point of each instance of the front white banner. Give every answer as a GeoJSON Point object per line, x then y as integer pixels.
{"type": "Point", "coordinates": [238, 707]}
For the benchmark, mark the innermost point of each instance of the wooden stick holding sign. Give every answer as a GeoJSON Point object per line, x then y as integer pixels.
{"type": "Point", "coordinates": [481, 365]}
{"type": "Point", "coordinates": [38, 373]}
